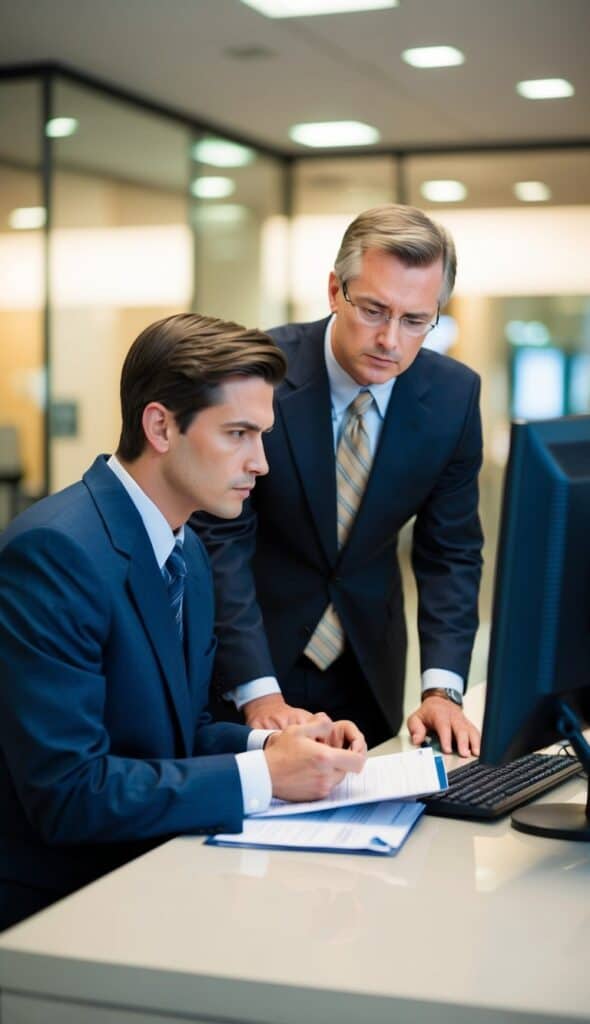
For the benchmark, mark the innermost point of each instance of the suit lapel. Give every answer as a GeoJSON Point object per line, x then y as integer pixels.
{"type": "Point", "coordinates": [305, 406]}
{"type": "Point", "coordinates": [145, 585]}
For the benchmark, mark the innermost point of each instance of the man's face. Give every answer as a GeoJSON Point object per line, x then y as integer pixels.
{"type": "Point", "coordinates": [370, 354]}
{"type": "Point", "coordinates": [213, 466]}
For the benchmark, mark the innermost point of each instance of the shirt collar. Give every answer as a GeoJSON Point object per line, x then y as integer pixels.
{"type": "Point", "coordinates": [158, 529]}
{"type": "Point", "coordinates": [343, 388]}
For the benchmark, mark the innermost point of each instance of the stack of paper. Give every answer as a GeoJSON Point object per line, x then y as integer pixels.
{"type": "Point", "coordinates": [373, 811]}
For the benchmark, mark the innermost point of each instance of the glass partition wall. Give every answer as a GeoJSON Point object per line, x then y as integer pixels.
{"type": "Point", "coordinates": [22, 295]}
{"type": "Point", "coordinates": [112, 215]}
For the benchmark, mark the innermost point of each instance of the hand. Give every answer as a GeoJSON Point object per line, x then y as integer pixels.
{"type": "Point", "coordinates": [272, 712]}
{"type": "Point", "coordinates": [303, 765]}
{"type": "Point", "coordinates": [448, 721]}
{"type": "Point", "coordinates": [346, 735]}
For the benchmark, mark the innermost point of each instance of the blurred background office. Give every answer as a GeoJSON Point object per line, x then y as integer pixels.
{"type": "Point", "coordinates": [208, 154]}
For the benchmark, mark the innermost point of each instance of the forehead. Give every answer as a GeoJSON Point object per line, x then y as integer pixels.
{"type": "Point", "coordinates": [243, 399]}
{"type": "Point", "coordinates": [385, 277]}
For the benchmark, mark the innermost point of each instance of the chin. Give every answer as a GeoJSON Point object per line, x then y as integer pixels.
{"type": "Point", "coordinates": [378, 376]}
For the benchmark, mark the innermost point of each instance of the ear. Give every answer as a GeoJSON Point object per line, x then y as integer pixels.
{"type": "Point", "coordinates": [333, 289]}
{"type": "Point", "coordinates": [157, 421]}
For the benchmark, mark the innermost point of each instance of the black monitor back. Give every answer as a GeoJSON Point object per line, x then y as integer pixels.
{"type": "Point", "coordinates": [540, 639]}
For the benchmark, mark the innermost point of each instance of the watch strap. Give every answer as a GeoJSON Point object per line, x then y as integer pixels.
{"type": "Point", "coordinates": [446, 692]}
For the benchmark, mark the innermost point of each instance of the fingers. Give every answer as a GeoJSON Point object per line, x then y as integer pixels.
{"type": "Point", "coordinates": [474, 739]}
{"type": "Point", "coordinates": [272, 712]}
{"type": "Point", "coordinates": [450, 724]}
{"type": "Point", "coordinates": [280, 720]}
{"type": "Point", "coordinates": [445, 736]}
{"type": "Point", "coordinates": [417, 729]}
{"type": "Point", "coordinates": [345, 760]}
{"type": "Point", "coordinates": [318, 727]}
{"type": "Point", "coordinates": [347, 734]}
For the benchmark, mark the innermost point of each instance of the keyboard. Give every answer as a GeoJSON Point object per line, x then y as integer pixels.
{"type": "Point", "coordinates": [487, 792]}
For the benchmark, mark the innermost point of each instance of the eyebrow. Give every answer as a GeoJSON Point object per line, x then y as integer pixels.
{"type": "Point", "coordinates": [375, 302]}
{"type": "Point", "coordinates": [245, 425]}
{"type": "Point", "coordinates": [242, 424]}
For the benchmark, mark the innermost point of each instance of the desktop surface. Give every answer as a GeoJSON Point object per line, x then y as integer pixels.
{"type": "Point", "coordinates": [469, 922]}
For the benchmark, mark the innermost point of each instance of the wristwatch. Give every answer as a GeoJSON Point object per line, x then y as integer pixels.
{"type": "Point", "coordinates": [446, 692]}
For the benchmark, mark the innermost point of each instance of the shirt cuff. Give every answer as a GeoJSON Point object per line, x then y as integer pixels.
{"type": "Point", "coordinates": [255, 780]}
{"type": "Point", "coordinates": [257, 738]}
{"type": "Point", "coordinates": [442, 677]}
{"type": "Point", "coordinates": [262, 687]}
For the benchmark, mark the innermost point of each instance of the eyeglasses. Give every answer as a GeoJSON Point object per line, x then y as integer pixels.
{"type": "Point", "coordinates": [376, 316]}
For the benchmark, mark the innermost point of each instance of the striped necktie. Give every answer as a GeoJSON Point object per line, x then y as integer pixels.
{"type": "Point", "coordinates": [353, 465]}
{"type": "Point", "coordinates": [174, 572]}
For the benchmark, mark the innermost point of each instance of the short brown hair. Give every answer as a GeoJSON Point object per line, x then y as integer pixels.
{"type": "Point", "coordinates": [403, 231]}
{"type": "Point", "coordinates": [182, 361]}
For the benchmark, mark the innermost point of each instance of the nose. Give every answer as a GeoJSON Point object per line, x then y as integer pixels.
{"type": "Point", "coordinates": [388, 336]}
{"type": "Point", "coordinates": [257, 463]}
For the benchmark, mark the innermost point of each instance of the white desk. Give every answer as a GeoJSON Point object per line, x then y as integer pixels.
{"type": "Point", "coordinates": [468, 923]}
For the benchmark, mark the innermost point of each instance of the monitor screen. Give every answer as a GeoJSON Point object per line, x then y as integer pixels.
{"type": "Point", "coordinates": [540, 639]}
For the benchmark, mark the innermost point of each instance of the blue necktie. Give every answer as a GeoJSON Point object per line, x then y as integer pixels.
{"type": "Point", "coordinates": [174, 572]}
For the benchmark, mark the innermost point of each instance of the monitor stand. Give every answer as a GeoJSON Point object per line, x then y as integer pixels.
{"type": "Point", "coordinates": [561, 821]}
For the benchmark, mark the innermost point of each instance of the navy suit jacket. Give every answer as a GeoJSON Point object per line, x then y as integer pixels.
{"type": "Point", "coordinates": [426, 465]}
{"type": "Point", "coordinates": [103, 723]}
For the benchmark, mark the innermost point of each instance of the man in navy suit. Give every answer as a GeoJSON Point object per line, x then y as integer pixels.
{"type": "Point", "coordinates": [393, 273]}
{"type": "Point", "coordinates": [106, 632]}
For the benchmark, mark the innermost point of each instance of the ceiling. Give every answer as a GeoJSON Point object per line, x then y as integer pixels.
{"type": "Point", "coordinates": [221, 61]}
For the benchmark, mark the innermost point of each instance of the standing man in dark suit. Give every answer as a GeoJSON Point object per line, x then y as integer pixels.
{"type": "Point", "coordinates": [106, 632]}
{"type": "Point", "coordinates": [371, 430]}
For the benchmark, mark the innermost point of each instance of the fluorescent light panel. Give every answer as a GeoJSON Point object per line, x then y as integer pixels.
{"type": "Point", "coordinates": [443, 191]}
{"type": "Point", "coordinates": [433, 57]}
{"type": "Point", "coordinates": [61, 127]}
{"type": "Point", "coordinates": [545, 88]}
{"type": "Point", "coordinates": [320, 134]}
{"type": "Point", "coordinates": [26, 218]}
{"type": "Point", "coordinates": [306, 8]}
{"type": "Point", "coordinates": [222, 153]}
{"type": "Point", "coordinates": [532, 191]}
{"type": "Point", "coordinates": [214, 187]}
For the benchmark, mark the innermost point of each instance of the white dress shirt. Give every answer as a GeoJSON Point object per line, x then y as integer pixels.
{"type": "Point", "coordinates": [252, 766]}
{"type": "Point", "coordinates": [343, 391]}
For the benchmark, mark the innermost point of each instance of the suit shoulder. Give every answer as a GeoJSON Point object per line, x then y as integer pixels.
{"type": "Point", "coordinates": [59, 513]}
{"type": "Point", "coordinates": [290, 336]}
{"type": "Point", "coordinates": [443, 368]}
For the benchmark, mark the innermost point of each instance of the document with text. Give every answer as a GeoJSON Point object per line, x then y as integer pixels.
{"type": "Point", "coordinates": [389, 777]}
{"type": "Point", "coordinates": [370, 828]}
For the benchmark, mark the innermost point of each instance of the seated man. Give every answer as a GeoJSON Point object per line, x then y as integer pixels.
{"type": "Point", "coordinates": [106, 632]}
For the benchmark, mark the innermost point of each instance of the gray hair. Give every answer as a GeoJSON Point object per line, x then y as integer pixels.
{"type": "Point", "coordinates": [404, 232]}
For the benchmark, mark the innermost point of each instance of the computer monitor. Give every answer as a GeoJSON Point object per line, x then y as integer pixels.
{"type": "Point", "coordinates": [538, 683]}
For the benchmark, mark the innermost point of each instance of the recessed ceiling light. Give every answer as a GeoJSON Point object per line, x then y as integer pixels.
{"type": "Point", "coordinates": [334, 133]}
{"type": "Point", "coordinates": [222, 153]}
{"type": "Point", "coordinates": [61, 127]}
{"type": "Point", "coordinates": [213, 187]}
{"type": "Point", "coordinates": [433, 57]}
{"type": "Point", "coordinates": [304, 8]}
{"type": "Point", "coordinates": [24, 218]}
{"type": "Point", "coordinates": [443, 191]}
{"type": "Point", "coordinates": [532, 191]}
{"type": "Point", "coordinates": [545, 88]}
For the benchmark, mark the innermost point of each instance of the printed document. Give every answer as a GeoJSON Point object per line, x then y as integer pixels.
{"type": "Point", "coordinates": [375, 828]}
{"type": "Point", "coordinates": [389, 777]}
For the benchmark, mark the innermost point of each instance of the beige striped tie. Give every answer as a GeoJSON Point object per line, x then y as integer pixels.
{"type": "Point", "coordinates": [353, 465]}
